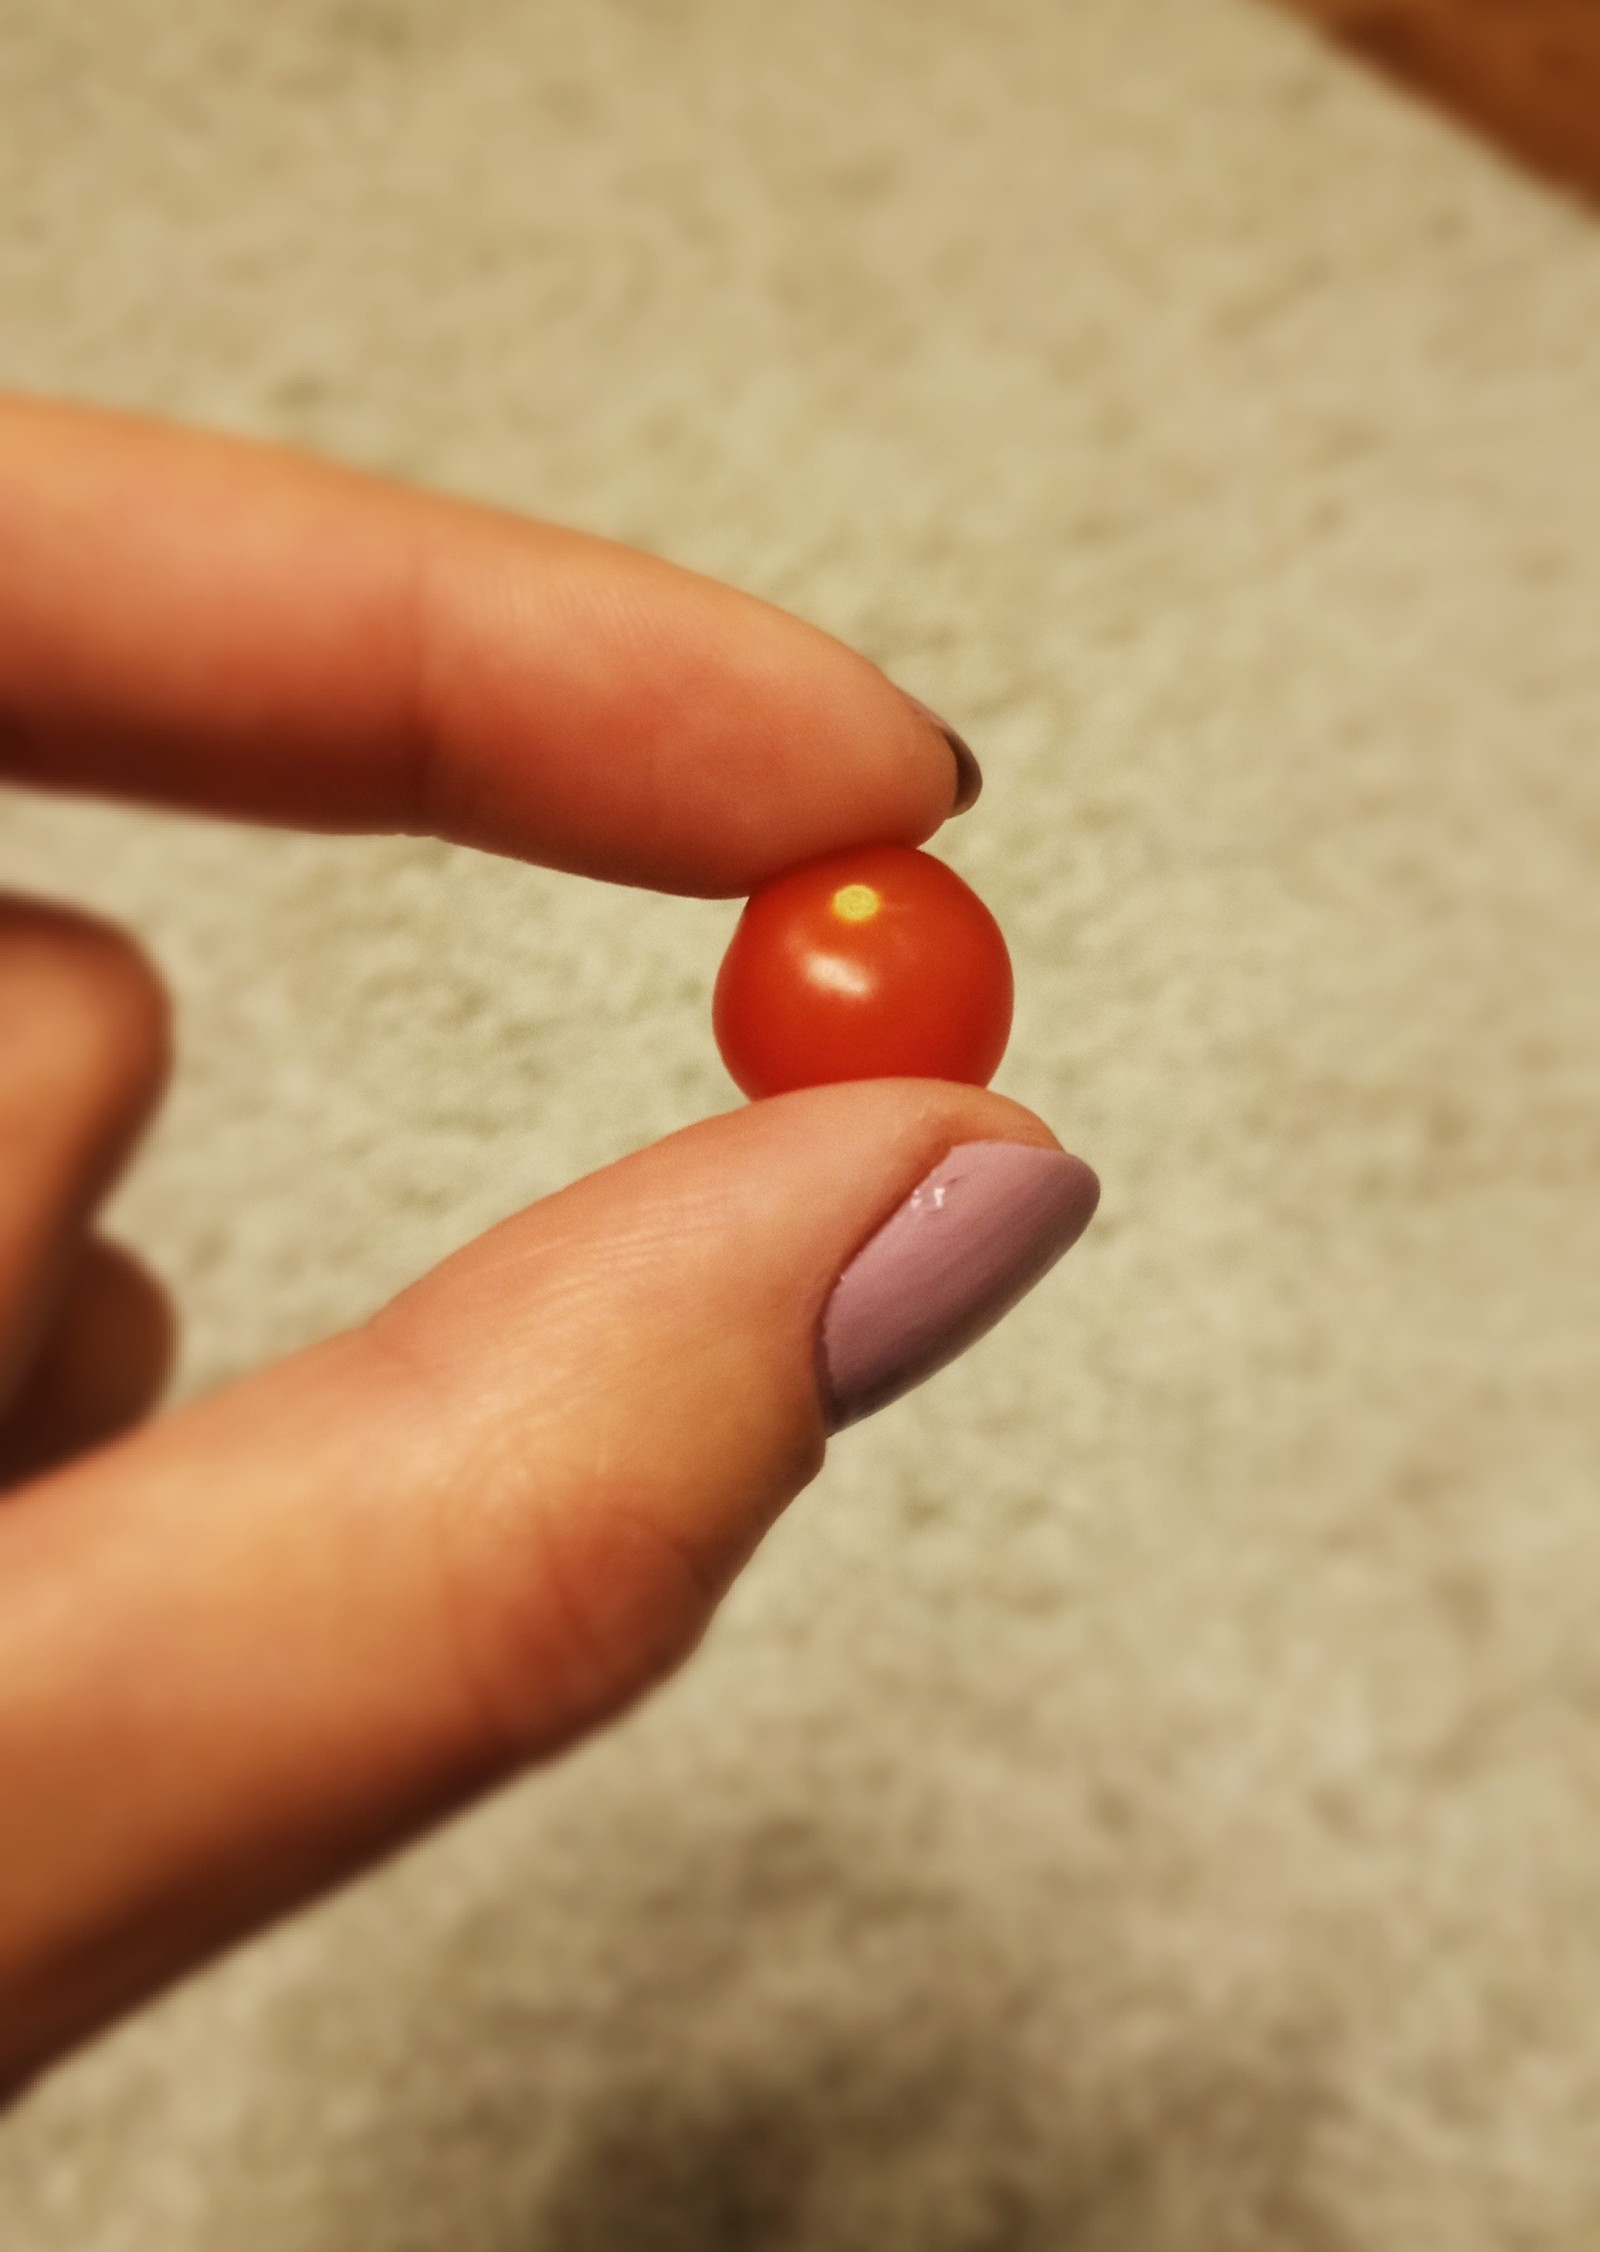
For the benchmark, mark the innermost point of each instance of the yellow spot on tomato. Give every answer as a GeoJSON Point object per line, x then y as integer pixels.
{"type": "Point", "coordinates": [856, 903]}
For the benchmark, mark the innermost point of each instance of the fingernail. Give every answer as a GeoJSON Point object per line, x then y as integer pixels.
{"type": "Point", "coordinates": [968, 1242]}
{"type": "Point", "coordinates": [969, 774]}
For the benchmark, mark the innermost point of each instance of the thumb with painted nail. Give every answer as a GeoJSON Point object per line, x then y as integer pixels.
{"type": "Point", "coordinates": [465, 1534]}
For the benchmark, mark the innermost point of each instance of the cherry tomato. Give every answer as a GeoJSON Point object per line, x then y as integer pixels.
{"type": "Point", "coordinates": [876, 963]}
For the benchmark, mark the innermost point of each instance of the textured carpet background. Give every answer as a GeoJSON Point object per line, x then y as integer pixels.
{"type": "Point", "coordinates": [1148, 1795]}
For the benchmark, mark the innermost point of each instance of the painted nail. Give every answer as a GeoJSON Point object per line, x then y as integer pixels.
{"type": "Point", "coordinates": [968, 1242]}
{"type": "Point", "coordinates": [969, 774]}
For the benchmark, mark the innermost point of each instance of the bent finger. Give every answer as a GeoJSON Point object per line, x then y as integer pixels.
{"type": "Point", "coordinates": [103, 1364]}
{"type": "Point", "coordinates": [84, 1054]}
{"type": "Point", "coordinates": [249, 1649]}
{"type": "Point", "coordinates": [202, 622]}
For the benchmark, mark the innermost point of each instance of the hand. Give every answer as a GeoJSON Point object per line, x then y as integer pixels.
{"type": "Point", "coordinates": [250, 1648]}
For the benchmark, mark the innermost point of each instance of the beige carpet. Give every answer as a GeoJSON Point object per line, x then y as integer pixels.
{"type": "Point", "coordinates": [1147, 1798]}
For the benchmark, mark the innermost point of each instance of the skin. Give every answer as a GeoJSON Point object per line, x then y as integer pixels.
{"type": "Point", "coordinates": [460, 1537]}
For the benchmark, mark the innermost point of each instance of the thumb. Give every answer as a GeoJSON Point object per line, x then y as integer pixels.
{"type": "Point", "coordinates": [252, 1648]}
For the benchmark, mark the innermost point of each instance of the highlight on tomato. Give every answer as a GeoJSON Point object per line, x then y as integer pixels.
{"type": "Point", "coordinates": [878, 962]}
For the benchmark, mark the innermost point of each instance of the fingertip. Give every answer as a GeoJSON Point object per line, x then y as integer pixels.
{"type": "Point", "coordinates": [968, 773]}
{"type": "Point", "coordinates": [658, 728]}
{"type": "Point", "coordinates": [91, 1008]}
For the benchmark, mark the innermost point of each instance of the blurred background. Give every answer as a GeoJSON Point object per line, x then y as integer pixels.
{"type": "Point", "coordinates": [1147, 1797]}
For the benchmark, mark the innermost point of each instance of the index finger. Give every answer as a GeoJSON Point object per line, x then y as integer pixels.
{"type": "Point", "coordinates": [201, 621]}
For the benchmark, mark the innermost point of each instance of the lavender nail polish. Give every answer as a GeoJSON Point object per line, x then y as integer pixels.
{"type": "Point", "coordinates": [969, 774]}
{"type": "Point", "coordinates": [968, 1242]}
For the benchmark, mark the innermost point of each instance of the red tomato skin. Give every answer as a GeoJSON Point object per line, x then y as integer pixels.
{"type": "Point", "coordinates": [919, 988]}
